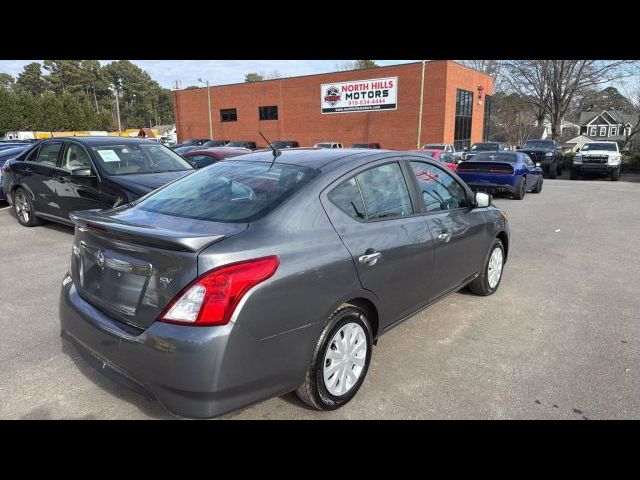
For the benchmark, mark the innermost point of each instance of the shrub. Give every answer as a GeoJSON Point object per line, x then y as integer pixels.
{"type": "Point", "coordinates": [567, 159]}
{"type": "Point", "coordinates": [631, 161]}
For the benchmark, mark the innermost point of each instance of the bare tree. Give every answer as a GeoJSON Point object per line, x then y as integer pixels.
{"type": "Point", "coordinates": [512, 119]}
{"type": "Point", "coordinates": [356, 65]}
{"type": "Point", "coordinates": [552, 84]}
{"type": "Point", "coordinates": [493, 68]}
{"type": "Point", "coordinates": [272, 75]}
{"type": "Point", "coordinates": [529, 78]}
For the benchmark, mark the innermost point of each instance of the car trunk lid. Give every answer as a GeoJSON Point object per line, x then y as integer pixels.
{"type": "Point", "coordinates": [131, 265]}
{"type": "Point", "coordinates": [485, 167]}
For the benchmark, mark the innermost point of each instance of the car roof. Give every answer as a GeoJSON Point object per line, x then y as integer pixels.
{"type": "Point", "coordinates": [319, 158]}
{"type": "Point", "coordinates": [105, 140]}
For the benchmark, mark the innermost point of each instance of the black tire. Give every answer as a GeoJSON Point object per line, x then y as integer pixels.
{"type": "Point", "coordinates": [553, 171]}
{"type": "Point", "coordinates": [615, 175]}
{"type": "Point", "coordinates": [314, 391]}
{"type": "Point", "coordinates": [538, 187]}
{"type": "Point", "coordinates": [480, 286]}
{"type": "Point", "coordinates": [22, 203]}
{"type": "Point", "coordinates": [574, 175]}
{"type": "Point", "coordinates": [519, 195]}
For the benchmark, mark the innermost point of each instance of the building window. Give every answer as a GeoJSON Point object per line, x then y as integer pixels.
{"type": "Point", "coordinates": [229, 115]}
{"type": "Point", "coordinates": [592, 131]}
{"type": "Point", "coordinates": [487, 118]}
{"type": "Point", "coordinates": [603, 131]}
{"type": "Point", "coordinates": [268, 113]}
{"type": "Point", "coordinates": [464, 112]}
{"type": "Point", "coordinates": [614, 131]}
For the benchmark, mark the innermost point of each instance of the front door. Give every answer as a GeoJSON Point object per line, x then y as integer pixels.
{"type": "Point", "coordinates": [387, 237]}
{"type": "Point", "coordinates": [78, 192]}
{"type": "Point", "coordinates": [457, 229]}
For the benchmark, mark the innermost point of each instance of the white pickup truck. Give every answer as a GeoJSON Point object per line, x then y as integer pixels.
{"type": "Point", "coordinates": [598, 158]}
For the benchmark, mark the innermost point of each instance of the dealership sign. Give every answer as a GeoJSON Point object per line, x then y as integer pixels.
{"type": "Point", "coordinates": [359, 95]}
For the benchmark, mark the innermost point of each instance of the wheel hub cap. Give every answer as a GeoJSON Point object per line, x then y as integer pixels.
{"type": "Point", "coordinates": [495, 267]}
{"type": "Point", "coordinates": [344, 359]}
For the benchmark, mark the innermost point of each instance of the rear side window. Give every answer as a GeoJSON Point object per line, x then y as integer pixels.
{"type": "Point", "coordinates": [383, 190]}
{"type": "Point", "coordinates": [49, 153]}
{"type": "Point", "coordinates": [229, 191]}
{"type": "Point", "coordinates": [347, 198]}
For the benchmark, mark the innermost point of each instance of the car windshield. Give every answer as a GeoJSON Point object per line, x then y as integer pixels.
{"type": "Point", "coordinates": [229, 191]}
{"type": "Point", "coordinates": [236, 144]}
{"type": "Point", "coordinates": [131, 158]}
{"type": "Point", "coordinates": [323, 145]}
{"type": "Point", "coordinates": [484, 147]}
{"type": "Point", "coordinates": [538, 145]}
{"type": "Point", "coordinates": [433, 146]}
{"type": "Point", "coordinates": [496, 157]}
{"type": "Point", "coordinates": [599, 146]}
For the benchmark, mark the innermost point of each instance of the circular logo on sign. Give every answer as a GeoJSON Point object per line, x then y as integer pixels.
{"type": "Point", "coordinates": [333, 96]}
{"type": "Point", "coordinates": [100, 258]}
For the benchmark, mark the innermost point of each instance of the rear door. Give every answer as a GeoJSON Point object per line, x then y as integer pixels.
{"type": "Point", "coordinates": [391, 246]}
{"type": "Point", "coordinates": [458, 231]}
{"type": "Point", "coordinates": [533, 173]}
{"type": "Point", "coordinates": [39, 176]}
{"type": "Point", "coordinates": [78, 193]}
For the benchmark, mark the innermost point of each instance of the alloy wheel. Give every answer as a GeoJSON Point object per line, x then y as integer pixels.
{"type": "Point", "coordinates": [23, 209]}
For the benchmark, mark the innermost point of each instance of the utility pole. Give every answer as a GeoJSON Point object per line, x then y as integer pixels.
{"type": "Point", "coordinates": [209, 105]}
{"type": "Point", "coordinates": [421, 102]}
{"type": "Point", "coordinates": [115, 91]}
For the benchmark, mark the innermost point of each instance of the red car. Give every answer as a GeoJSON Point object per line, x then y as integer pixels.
{"type": "Point", "coordinates": [207, 156]}
{"type": "Point", "coordinates": [442, 156]}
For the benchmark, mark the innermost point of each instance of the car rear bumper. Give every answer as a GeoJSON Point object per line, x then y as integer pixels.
{"type": "Point", "coordinates": [491, 183]}
{"type": "Point", "coordinates": [196, 372]}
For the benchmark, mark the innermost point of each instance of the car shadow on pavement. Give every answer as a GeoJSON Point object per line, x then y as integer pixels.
{"type": "Point", "coordinates": [149, 407]}
{"type": "Point", "coordinates": [58, 227]}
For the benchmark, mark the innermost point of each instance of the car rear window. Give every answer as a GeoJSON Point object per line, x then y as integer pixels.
{"type": "Point", "coordinates": [496, 157]}
{"type": "Point", "coordinates": [229, 191]}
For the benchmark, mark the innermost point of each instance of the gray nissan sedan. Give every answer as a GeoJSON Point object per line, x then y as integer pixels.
{"type": "Point", "coordinates": [263, 274]}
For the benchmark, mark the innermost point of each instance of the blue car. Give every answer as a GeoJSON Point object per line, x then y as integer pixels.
{"type": "Point", "coordinates": [8, 154]}
{"type": "Point", "coordinates": [498, 172]}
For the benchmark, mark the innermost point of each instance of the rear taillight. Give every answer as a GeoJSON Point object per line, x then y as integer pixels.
{"type": "Point", "coordinates": [213, 297]}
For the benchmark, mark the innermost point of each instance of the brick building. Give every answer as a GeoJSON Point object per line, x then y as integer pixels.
{"type": "Point", "coordinates": [318, 108]}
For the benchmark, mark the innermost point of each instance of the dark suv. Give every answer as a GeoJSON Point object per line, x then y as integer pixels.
{"type": "Point", "coordinates": [58, 176]}
{"type": "Point", "coordinates": [546, 152]}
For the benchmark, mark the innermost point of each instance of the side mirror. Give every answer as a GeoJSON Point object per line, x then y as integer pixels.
{"type": "Point", "coordinates": [465, 149]}
{"type": "Point", "coordinates": [538, 164]}
{"type": "Point", "coordinates": [483, 200]}
{"type": "Point", "coordinates": [82, 172]}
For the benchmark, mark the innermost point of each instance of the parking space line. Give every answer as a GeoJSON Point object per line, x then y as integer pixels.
{"type": "Point", "coordinates": [5, 208]}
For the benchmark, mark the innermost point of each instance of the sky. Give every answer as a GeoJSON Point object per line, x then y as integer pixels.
{"type": "Point", "coordinates": [218, 72]}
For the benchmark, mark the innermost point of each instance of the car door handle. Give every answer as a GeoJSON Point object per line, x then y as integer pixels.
{"type": "Point", "coordinates": [370, 258]}
{"type": "Point", "coordinates": [444, 236]}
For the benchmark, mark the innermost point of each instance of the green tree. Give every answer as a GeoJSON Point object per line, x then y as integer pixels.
{"type": "Point", "coordinates": [65, 75]}
{"type": "Point", "coordinates": [29, 115]}
{"type": "Point", "coordinates": [53, 117]}
{"type": "Point", "coordinates": [6, 81]}
{"type": "Point", "coordinates": [74, 116]}
{"type": "Point", "coordinates": [31, 79]}
{"type": "Point", "coordinates": [8, 111]}
{"type": "Point", "coordinates": [253, 77]}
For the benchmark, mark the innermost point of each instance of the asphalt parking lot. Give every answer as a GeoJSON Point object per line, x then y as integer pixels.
{"type": "Point", "coordinates": [559, 340]}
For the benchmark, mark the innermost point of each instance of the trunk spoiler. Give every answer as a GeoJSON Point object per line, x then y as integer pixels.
{"type": "Point", "coordinates": [144, 235]}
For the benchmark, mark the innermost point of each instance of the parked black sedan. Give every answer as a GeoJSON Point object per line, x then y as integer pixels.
{"type": "Point", "coordinates": [58, 176]}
